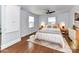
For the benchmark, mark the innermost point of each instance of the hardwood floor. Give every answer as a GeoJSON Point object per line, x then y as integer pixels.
{"type": "Point", "coordinates": [22, 47]}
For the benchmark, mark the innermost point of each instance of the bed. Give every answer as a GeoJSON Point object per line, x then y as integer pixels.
{"type": "Point", "coordinates": [52, 35]}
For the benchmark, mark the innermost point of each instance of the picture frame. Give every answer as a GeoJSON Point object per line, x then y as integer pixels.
{"type": "Point", "coordinates": [76, 16]}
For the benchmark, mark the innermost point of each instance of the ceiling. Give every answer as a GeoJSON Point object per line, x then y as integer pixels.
{"type": "Point", "coordinates": [41, 9]}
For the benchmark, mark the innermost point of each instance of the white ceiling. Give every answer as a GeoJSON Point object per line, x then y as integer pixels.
{"type": "Point", "coordinates": [41, 9]}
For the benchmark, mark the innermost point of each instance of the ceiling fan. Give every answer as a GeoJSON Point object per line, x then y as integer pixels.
{"type": "Point", "coordinates": [49, 12]}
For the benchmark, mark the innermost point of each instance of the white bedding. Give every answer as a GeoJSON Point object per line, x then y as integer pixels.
{"type": "Point", "coordinates": [51, 35]}
{"type": "Point", "coordinates": [50, 30]}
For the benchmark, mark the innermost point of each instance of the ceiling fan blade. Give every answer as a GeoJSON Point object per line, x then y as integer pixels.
{"type": "Point", "coordinates": [52, 11]}
{"type": "Point", "coordinates": [48, 11]}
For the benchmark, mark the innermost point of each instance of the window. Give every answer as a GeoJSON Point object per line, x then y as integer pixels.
{"type": "Point", "coordinates": [31, 21]}
{"type": "Point", "coordinates": [51, 20]}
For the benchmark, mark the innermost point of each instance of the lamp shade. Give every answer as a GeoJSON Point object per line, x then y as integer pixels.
{"type": "Point", "coordinates": [62, 25]}
{"type": "Point", "coordinates": [43, 24]}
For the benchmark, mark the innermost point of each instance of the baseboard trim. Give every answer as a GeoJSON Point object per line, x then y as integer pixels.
{"type": "Point", "coordinates": [29, 34]}
{"type": "Point", "coordinates": [10, 43]}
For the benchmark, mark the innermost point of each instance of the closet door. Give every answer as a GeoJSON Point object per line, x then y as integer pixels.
{"type": "Point", "coordinates": [12, 18]}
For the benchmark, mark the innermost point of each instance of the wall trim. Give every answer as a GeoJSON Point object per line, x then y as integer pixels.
{"type": "Point", "coordinates": [28, 34]}
{"type": "Point", "coordinates": [10, 43]}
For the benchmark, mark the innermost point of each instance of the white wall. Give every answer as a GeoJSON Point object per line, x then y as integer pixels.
{"type": "Point", "coordinates": [25, 30]}
{"type": "Point", "coordinates": [61, 17]}
{"type": "Point", "coordinates": [43, 19]}
{"type": "Point", "coordinates": [10, 36]}
{"type": "Point", "coordinates": [66, 18]}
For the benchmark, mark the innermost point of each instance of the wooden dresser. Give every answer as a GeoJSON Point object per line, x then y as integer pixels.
{"type": "Point", "coordinates": [77, 35]}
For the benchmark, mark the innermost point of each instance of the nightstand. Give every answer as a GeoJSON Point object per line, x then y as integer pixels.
{"type": "Point", "coordinates": [64, 32]}
{"type": "Point", "coordinates": [40, 27]}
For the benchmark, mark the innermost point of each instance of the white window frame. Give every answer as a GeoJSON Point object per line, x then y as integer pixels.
{"type": "Point", "coordinates": [31, 21]}
{"type": "Point", "coordinates": [51, 20]}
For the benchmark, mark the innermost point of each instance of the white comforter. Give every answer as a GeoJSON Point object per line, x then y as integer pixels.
{"type": "Point", "coordinates": [51, 36]}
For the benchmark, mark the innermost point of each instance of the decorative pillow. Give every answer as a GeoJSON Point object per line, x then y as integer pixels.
{"type": "Point", "coordinates": [48, 26]}
{"type": "Point", "coordinates": [55, 25]}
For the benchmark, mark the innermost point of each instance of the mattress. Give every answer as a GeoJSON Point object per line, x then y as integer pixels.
{"type": "Point", "coordinates": [51, 35]}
